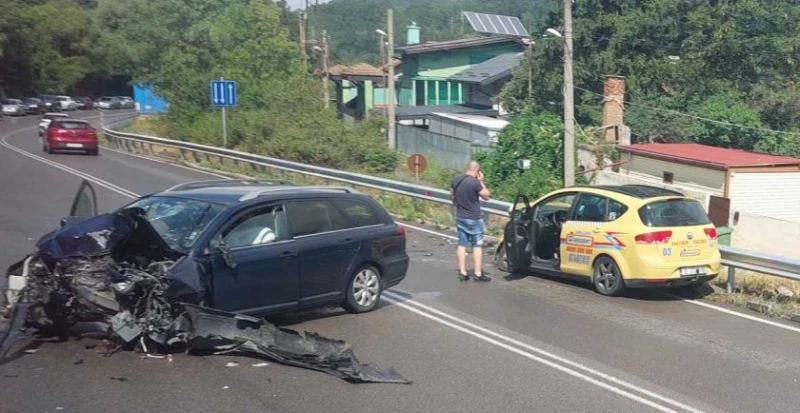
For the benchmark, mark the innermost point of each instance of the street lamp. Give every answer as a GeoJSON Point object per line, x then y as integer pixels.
{"type": "Point", "coordinates": [554, 32]}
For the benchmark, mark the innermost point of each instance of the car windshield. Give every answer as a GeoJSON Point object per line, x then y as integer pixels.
{"type": "Point", "coordinates": [677, 212]}
{"type": "Point", "coordinates": [11, 102]}
{"type": "Point", "coordinates": [178, 221]}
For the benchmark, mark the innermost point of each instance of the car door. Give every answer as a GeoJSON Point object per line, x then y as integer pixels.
{"type": "Point", "coordinates": [327, 249]}
{"type": "Point", "coordinates": [584, 233]}
{"type": "Point", "coordinates": [254, 263]}
{"type": "Point", "coordinates": [517, 237]}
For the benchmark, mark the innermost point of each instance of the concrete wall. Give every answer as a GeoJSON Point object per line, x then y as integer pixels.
{"type": "Point", "coordinates": [709, 178]}
{"type": "Point", "coordinates": [768, 235]}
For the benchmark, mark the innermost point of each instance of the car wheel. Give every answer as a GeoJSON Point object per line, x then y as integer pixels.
{"type": "Point", "coordinates": [48, 149]}
{"type": "Point", "coordinates": [607, 277]}
{"type": "Point", "coordinates": [501, 260]}
{"type": "Point", "coordinates": [364, 290]}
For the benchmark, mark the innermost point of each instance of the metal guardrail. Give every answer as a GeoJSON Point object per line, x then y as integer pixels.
{"type": "Point", "coordinates": [733, 258]}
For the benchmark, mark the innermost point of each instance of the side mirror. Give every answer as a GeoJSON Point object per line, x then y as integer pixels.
{"type": "Point", "coordinates": [227, 255]}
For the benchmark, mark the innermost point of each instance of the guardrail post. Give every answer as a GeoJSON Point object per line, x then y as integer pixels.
{"type": "Point", "coordinates": [150, 149]}
{"type": "Point", "coordinates": [485, 221]}
{"type": "Point", "coordinates": [128, 146]}
{"type": "Point", "coordinates": [181, 155]}
{"type": "Point", "coordinates": [731, 280]}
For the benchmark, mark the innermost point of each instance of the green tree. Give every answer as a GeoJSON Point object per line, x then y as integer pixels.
{"type": "Point", "coordinates": [536, 137]}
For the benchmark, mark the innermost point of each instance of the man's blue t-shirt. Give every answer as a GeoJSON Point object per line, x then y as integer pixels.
{"type": "Point", "coordinates": [465, 196]}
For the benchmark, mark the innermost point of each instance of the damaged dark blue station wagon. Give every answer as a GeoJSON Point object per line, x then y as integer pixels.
{"type": "Point", "coordinates": [265, 247]}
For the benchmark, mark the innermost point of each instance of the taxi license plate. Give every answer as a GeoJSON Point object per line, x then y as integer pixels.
{"type": "Point", "coordinates": [74, 145]}
{"type": "Point", "coordinates": [692, 271]}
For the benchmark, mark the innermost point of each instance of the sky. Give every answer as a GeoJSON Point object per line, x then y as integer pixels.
{"type": "Point", "coordinates": [299, 4]}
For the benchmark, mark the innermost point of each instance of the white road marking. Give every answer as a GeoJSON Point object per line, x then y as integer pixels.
{"type": "Point", "coordinates": [736, 313]}
{"type": "Point", "coordinates": [394, 298]}
{"type": "Point", "coordinates": [410, 306]}
{"type": "Point", "coordinates": [415, 228]}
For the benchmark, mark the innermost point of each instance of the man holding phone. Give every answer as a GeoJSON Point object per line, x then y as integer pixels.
{"type": "Point", "coordinates": [467, 190]}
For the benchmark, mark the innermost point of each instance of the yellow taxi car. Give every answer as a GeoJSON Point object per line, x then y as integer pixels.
{"type": "Point", "coordinates": [617, 237]}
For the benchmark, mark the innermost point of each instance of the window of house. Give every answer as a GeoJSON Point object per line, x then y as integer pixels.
{"type": "Point", "coordinates": [419, 98]}
{"type": "Point", "coordinates": [444, 93]}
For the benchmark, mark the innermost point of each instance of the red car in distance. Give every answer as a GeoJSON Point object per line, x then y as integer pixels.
{"type": "Point", "coordinates": [71, 134]}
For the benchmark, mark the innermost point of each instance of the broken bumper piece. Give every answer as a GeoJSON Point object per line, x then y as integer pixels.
{"type": "Point", "coordinates": [123, 293]}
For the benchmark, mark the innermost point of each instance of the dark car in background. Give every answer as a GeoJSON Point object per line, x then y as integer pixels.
{"type": "Point", "coordinates": [70, 134]}
{"type": "Point", "coordinates": [84, 102]}
{"type": "Point", "coordinates": [34, 106]}
{"type": "Point", "coordinates": [50, 103]}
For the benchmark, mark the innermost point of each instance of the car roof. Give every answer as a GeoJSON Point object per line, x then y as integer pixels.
{"type": "Point", "coordinates": [235, 191]}
{"type": "Point", "coordinates": [639, 191]}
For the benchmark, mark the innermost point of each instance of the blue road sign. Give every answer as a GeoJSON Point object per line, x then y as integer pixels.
{"type": "Point", "coordinates": [223, 93]}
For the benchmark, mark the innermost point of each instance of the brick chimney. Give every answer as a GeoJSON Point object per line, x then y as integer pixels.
{"type": "Point", "coordinates": [412, 36]}
{"type": "Point", "coordinates": [613, 108]}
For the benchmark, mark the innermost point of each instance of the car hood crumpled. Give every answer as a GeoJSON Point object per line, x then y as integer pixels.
{"type": "Point", "coordinates": [113, 276]}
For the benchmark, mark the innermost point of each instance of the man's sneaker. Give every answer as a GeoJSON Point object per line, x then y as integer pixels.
{"type": "Point", "coordinates": [463, 277]}
{"type": "Point", "coordinates": [482, 278]}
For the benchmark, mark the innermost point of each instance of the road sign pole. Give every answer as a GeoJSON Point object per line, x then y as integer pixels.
{"type": "Point", "coordinates": [224, 129]}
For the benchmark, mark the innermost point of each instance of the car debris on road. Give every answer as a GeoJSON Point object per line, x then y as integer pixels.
{"type": "Point", "coordinates": [112, 276]}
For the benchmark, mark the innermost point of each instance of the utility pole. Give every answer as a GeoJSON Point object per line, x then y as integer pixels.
{"type": "Point", "coordinates": [302, 23]}
{"type": "Point", "coordinates": [325, 68]}
{"type": "Point", "coordinates": [529, 52]}
{"type": "Point", "coordinates": [390, 62]}
{"type": "Point", "coordinates": [569, 110]}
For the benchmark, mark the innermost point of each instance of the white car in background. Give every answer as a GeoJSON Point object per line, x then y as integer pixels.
{"type": "Point", "coordinates": [66, 103]}
{"type": "Point", "coordinates": [127, 103]}
{"type": "Point", "coordinates": [48, 117]}
{"type": "Point", "coordinates": [14, 107]}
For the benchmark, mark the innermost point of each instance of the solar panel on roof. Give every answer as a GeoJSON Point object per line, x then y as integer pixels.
{"type": "Point", "coordinates": [496, 24]}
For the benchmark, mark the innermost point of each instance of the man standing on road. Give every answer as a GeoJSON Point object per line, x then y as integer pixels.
{"type": "Point", "coordinates": [467, 191]}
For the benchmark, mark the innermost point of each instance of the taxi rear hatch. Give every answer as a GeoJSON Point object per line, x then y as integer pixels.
{"type": "Point", "coordinates": [679, 230]}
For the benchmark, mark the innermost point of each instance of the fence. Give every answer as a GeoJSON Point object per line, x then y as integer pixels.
{"type": "Point", "coordinates": [732, 257]}
{"type": "Point", "coordinates": [446, 151]}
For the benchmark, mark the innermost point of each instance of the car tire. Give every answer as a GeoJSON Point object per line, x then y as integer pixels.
{"type": "Point", "coordinates": [363, 290]}
{"type": "Point", "coordinates": [501, 260]}
{"type": "Point", "coordinates": [607, 277]}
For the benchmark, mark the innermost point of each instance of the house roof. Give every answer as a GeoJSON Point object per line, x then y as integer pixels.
{"type": "Point", "coordinates": [490, 71]}
{"type": "Point", "coordinates": [358, 69]}
{"type": "Point", "coordinates": [708, 156]}
{"type": "Point", "coordinates": [428, 47]}
{"type": "Point", "coordinates": [477, 120]}
{"type": "Point", "coordinates": [422, 112]}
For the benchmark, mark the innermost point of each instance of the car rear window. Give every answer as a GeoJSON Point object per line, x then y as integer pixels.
{"type": "Point", "coordinates": [678, 212]}
{"type": "Point", "coordinates": [358, 213]}
{"type": "Point", "coordinates": [70, 125]}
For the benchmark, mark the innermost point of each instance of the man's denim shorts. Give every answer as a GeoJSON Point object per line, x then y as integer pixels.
{"type": "Point", "coordinates": [470, 232]}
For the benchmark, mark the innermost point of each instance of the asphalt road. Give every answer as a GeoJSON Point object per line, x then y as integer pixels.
{"type": "Point", "coordinates": [515, 344]}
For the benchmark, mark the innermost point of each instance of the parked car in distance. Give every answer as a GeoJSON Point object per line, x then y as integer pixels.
{"type": "Point", "coordinates": [108, 102]}
{"type": "Point", "coordinates": [615, 236]}
{"type": "Point", "coordinates": [13, 107]}
{"type": "Point", "coordinates": [260, 247]}
{"type": "Point", "coordinates": [45, 120]}
{"type": "Point", "coordinates": [126, 102]}
{"type": "Point", "coordinates": [50, 103]}
{"type": "Point", "coordinates": [66, 103]}
{"type": "Point", "coordinates": [84, 103]}
{"type": "Point", "coordinates": [71, 134]}
{"type": "Point", "coordinates": [34, 106]}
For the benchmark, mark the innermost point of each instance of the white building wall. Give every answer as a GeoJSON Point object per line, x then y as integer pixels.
{"type": "Point", "coordinates": [682, 173]}
{"type": "Point", "coordinates": [769, 194]}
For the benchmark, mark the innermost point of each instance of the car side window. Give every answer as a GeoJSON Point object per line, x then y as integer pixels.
{"type": "Point", "coordinates": [615, 210]}
{"type": "Point", "coordinates": [259, 226]}
{"type": "Point", "coordinates": [314, 217]}
{"type": "Point", "coordinates": [591, 208]}
{"type": "Point", "coordinates": [358, 213]}
{"type": "Point", "coordinates": [557, 203]}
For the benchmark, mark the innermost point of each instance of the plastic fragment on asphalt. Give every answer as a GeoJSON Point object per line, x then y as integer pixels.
{"type": "Point", "coordinates": [31, 351]}
{"type": "Point", "coordinates": [232, 364]}
{"type": "Point", "coordinates": [118, 378]}
{"type": "Point", "coordinates": [261, 365]}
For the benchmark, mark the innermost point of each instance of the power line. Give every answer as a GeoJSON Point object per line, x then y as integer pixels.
{"type": "Point", "coordinates": [689, 115]}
